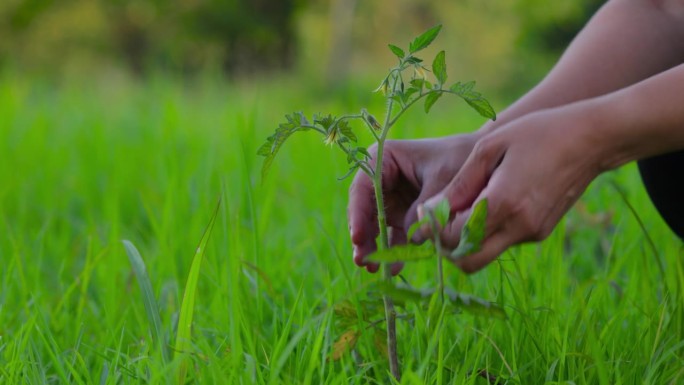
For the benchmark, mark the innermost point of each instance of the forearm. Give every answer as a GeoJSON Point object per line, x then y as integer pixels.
{"type": "Point", "coordinates": [640, 121]}
{"type": "Point", "coordinates": [625, 42]}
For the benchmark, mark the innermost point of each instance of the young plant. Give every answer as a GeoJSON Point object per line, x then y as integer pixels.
{"type": "Point", "coordinates": [405, 85]}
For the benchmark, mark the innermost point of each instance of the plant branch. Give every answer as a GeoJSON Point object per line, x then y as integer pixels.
{"type": "Point", "coordinates": [390, 313]}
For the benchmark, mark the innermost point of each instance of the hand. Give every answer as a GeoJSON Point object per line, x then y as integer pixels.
{"type": "Point", "coordinates": [413, 171]}
{"type": "Point", "coordinates": [531, 171]}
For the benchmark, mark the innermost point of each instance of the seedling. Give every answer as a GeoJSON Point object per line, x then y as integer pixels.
{"type": "Point", "coordinates": [405, 85]}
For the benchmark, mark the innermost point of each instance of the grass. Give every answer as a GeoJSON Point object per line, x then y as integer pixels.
{"type": "Point", "coordinates": [85, 167]}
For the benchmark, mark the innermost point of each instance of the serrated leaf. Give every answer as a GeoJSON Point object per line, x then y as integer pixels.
{"type": "Point", "coordinates": [439, 67]}
{"type": "Point", "coordinates": [346, 342]}
{"type": "Point", "coordinates": [402, 253]}
{"type": "Point", "coordinates": [431, 99]}
{"type": "Point", "coordinates": [397, 51]}
{"type": "Point", "coordinates": [424, 39]}
{"type": "Point", "coordinates": [274, 142]}
{"type": "Point", "coordinates": [363, 151]}
{"type": "Point", "coordinates": [345, 309]}
{"type": "Point", "coordinates": [400, 295]}
{"type": "Point", "coordinates": [482, 106]}
{"type": "Point", "coordinates": [473, 232]}
{"type": "Point", "coordinates": [460, 88]}
{"type": "Point", "coordinates": [345, 130]}
{"type": "Point", "coordinates": [475, 305]}
{"type": "Point", "coordinates": [474, 99]}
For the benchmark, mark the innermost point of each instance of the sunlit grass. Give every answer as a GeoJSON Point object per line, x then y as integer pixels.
{"type": "Point", "coordinates": [85, 167]}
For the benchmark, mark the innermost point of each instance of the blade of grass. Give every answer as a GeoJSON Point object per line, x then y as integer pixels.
{"type": "Point", "coordinates": [150, 301]}
{"type": "Point", "coordinates": [184, 333]}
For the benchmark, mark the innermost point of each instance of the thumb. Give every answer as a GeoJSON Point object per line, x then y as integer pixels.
{"type": "Point", "coordinates": [473, 177]}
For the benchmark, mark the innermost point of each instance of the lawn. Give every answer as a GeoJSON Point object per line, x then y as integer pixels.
{"type": "Point", "coordinates": [83, 167]}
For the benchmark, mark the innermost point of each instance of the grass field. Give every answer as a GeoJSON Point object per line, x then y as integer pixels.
{"type": "Point", "coordinates": [84, 167]}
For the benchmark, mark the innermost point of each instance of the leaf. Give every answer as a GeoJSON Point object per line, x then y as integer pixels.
{"type": "Point", "coordinates": [413, 60]}
{"type": "Point", "coordinates": [431, 99]}
{"type": "Point", "coordinates": [184, 333]}
{"type": "Point", "coordinates": [363, 151]}
{"type": "Point", "coordinates": [345, 130]}
{"type": "Point", "coordinates": [346, 342]}
{"type": "Point", "coordinates": [473, 232]}
{"type": "Point", "coordinates": [401, 295]}
{"type": "Point", "coordinates": [416, 226]}
{"type": "Point", "coordinates": [402, 253]}
{"type": "Point", "coordinates": [474, 99]}
{"type": "Point", "coordinates": [418, 83]}
{"type": "Point", "coordinates": [149, 299]}
{"type": "Point", "coordinates": [380, 341]}
{"type": "Point", "coordinates": [397, 51]}
{"type": "Point", "coordinates": [345, 309]}
{"type": "Point", "coordinates": [476, 306]}
{"type": "Point", "coordinates": [275, 141]}
{"type": "Point", "coordinates": [424, 39]}
{"type": "Point", "coordinates": [442, 212]}
{"type": "Point", "coordinates": [482, 106]}
{"type": "Point", "coordinates": [439, 67]}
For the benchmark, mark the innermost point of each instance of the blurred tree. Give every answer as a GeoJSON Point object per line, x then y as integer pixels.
{"type": "Point", "coordinates": [238, 35]}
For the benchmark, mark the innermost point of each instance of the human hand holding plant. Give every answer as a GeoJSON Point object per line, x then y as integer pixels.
{"type": "Point", "coordinates": [413, 171]}
{"type": "Point", "coordinates": [404, 86]}
{"type": "Point", "coordinates": [531, 171]}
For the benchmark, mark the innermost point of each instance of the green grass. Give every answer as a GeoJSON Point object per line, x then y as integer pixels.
{"type": "Point", "coordinates": [84, 167]}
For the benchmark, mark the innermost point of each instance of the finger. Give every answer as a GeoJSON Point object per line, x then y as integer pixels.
{"type": "Point", "coordinates": [412, 213]}
{"type": "Point", "coordinates": [472, 177]}
{"type": "Point", "coordinates": [492, 247]}
{"type": "Point", "coordinates": [362, 217]}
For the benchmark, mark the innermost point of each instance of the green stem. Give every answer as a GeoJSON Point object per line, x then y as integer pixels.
{"type": "Point", "coordinates": [390, 313]}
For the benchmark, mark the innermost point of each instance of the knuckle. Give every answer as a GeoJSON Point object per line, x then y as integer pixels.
{"type": "Point", "coordinates": [485, 147]}
{"type": "Point", "coordinates": [468, 268]}
{"type": "Point", "coordinates": [531, 225]}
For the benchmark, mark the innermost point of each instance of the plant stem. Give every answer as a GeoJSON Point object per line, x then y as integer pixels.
{"type": "Point", "coordinates": [390, 313]}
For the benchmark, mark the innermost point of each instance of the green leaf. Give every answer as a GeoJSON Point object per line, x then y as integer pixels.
{"type": "Point", "coordinates": [184, 333]}
{"type": "Point", "coordinates": [345, 309]}
{"type": "Point", "coordinates": [482, 106]}
{"type": "Point", "coordinates": [364, 152]}
{"type": "Point", "coordinates": [424, 39]}
{"type": "Point", "coordinates": [402, 253]}
{"type": "Point", "coordinates": [416, 226]}
{"type": "Point", "coordinates": [439, 67]}
{"type": "Point", "coordinates": [397, 51]}
{"type": "Point", "coordinates": [413, 60]}
{"type": "Point", "coordinates": [442, 212]}
{"type": "Point", "coordinates": [149, 299]}
{"type": "Point", "coordinates": [401, 294]}
{"type": "Point", "coordinates": [473, 232]}
{"type": "Point", "coordinates": [431, 99]}
{"type": "Point", "coordinates": [345, 130]}
{"type": "Point", "coordinates": [380, 341]}
{"type": "Point", "coordinates": [471, 304]}
{"type": "Point", "coordinates": [275, 141]}
{"type": "Point", "coordinates": [474, 99]}
{"type": "Point", "coordinates": [475, 305]}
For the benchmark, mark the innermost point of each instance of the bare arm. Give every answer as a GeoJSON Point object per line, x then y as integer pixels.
{"type": "Point", "coordinates": [533, 169]}
{"type": "Point", "coordinates": [624, 43]}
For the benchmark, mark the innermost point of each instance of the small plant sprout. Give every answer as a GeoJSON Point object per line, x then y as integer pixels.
{"type": "Point", "coordinates": [404, 86]}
